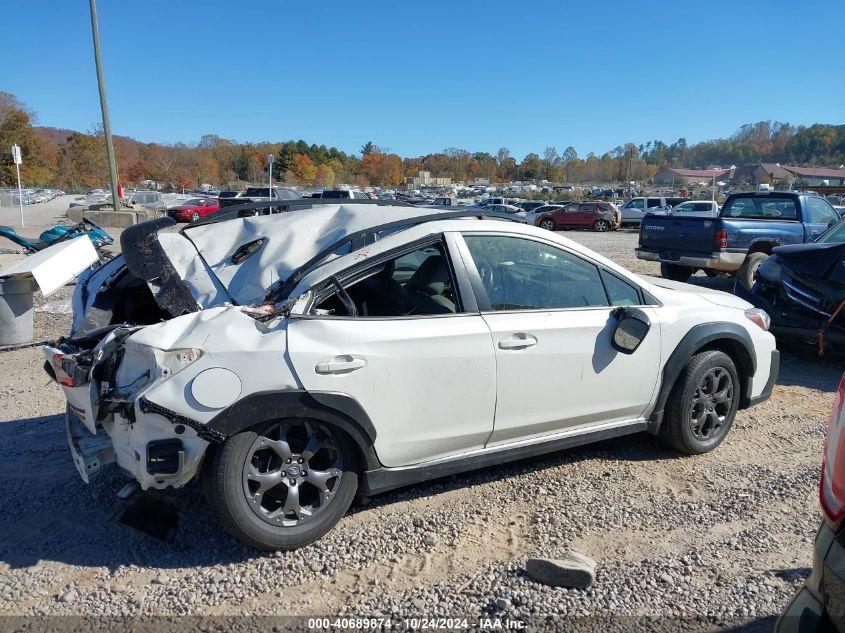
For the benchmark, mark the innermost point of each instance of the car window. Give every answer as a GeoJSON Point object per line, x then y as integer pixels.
{"type": "Point", "coordinates": [572, 208]}
{"type": "Point", "coordinates": [636, 203]}
{"type": "Point", "coordinates": [684, 207]}
{"type": "Point", "coordinates": [521, 274]}
{"type": "Point", "coordinates": [760, 208]}
{"type": "Point", "coordinates": [834, 235]}
{"type": "Point", "coordinates": [418, 283]}
{"type": "Point", "coordinates": [654, 202]}
{"type": "Point", "coordinates": [620, 293]}
{"type": "Point", "coordinates": [820, 211]}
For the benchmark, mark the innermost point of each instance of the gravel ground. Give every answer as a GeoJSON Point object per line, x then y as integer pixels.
{"type": "Point", "coordinates": [723, 538]}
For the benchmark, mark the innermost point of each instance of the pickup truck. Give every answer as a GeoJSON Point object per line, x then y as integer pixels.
{"type": "Point", "coordinates": [260, 194]}
{"type": "Point", "coordinates": [736, 242]}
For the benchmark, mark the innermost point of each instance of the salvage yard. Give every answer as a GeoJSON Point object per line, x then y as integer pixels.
{"type": "Point", "coordinates": [725, 536]}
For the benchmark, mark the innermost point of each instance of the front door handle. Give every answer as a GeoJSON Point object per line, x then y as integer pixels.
{"type": "Point", "coordinates": [340, 365]}
{"type": "Point", "coordinates": [520, 340]}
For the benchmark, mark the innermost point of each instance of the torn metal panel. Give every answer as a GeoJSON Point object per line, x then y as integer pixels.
{"type": "Point", "coordinates": [56, 265]}
{"type": "Point", "coordinates": [146, 259]}
{"type": "Point", "coordinates": [289, 241]}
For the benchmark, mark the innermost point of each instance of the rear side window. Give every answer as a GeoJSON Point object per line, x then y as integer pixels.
{"type": "Point", "coordinates": [654, 202]}
{"type": "Point", "coordinates": [761, 208]}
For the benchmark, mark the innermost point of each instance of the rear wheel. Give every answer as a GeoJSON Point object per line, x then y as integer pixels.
{"type": "Point", "coordinates": [283, 485]}
{"type": "Point", "coordinates": [702, 405]}
{"type": "Point", "coordinates": [601, 226]}
{"type": "Point", "coordinates": [675, 272]}
{"type": "Point", "coordinates": [548, 224]}
{"type": "Point", "coordinates": [746, 272]}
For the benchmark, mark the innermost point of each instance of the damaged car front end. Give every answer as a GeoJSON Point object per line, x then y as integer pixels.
{"type": "Point", "coordinates": [802, 287]}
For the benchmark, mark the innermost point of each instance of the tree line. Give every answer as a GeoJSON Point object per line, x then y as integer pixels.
{"type": "Point", "coordinates": [74, 160]}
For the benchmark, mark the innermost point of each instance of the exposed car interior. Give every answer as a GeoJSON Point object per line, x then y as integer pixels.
{"type": "Point", "coordinates": [415, 284]}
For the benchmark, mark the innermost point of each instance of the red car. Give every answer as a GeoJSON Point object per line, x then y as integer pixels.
{"type": "Point", "coordinates": [194, 209]}
{"type": "Point", "coordinates": [599, 216]}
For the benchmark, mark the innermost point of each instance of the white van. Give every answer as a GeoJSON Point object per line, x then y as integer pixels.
{"type": "Point", "coordinates": [636, 209]}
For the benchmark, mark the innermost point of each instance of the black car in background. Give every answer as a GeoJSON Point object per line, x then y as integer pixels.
{"type": "Point", "coordinates": [802, 287]}
{"type": "Point", "coordinates": [819, 606]}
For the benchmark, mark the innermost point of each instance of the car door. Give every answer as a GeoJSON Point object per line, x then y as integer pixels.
{"type": "Point", "coordinates": [550, 312]}
{"type": "Point", "coordinates": [568, 215]}
{"type": "Point", "coordinates": [424, 372]}
{"type": "Point", "coordinates": [588, 213]}
{"type": "Point", "coordinates": [819, 216]}
{"type": "Point", "coordinates": [633, 210]}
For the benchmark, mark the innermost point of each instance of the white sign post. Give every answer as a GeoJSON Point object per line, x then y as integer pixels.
{"type": "Point", "coordinates": [270, 164]}
{"type": "Point", "coordinates": [16, 158]}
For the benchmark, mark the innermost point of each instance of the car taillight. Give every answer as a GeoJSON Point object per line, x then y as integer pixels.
{"type": "Point", "coordinates": [832, 485]}
{"type": "Point", "coordinates": [721, 238]}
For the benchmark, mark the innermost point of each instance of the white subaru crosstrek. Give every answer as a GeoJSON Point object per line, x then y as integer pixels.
{"type": "Point", "coordinates": [294, 360]}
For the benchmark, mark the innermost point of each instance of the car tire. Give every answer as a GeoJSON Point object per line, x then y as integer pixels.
{"type": "Point", "coordinates": [746, 272]}
{"type": "Point", "coordinates": [675, 272]}
{"type": "Point", "coordinates": [227, 484]}
{"type": "Point", "coordinates": [548, 224]}
{"type": "Point", "coordinates": [601, 226]}
{"type": "Point", "coordinates": [195, 216]}
{"type": "Point", "coordinates": [702, 404]}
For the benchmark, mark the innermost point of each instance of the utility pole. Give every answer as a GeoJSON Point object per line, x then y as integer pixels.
{"type": "Point", "coordinates": [95, 30]}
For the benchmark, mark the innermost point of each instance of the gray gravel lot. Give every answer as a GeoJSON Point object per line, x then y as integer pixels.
{"type": "Point", "coordinates": [724, 537]}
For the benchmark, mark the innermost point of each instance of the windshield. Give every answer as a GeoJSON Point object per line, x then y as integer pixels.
{"type": "Point", "coordinates": [834, 235]}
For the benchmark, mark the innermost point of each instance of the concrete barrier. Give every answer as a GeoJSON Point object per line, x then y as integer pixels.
{"type": "Point", "coordinates": [109, 218]}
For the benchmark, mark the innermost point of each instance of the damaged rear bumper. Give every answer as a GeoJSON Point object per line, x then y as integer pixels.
{"type": "Point", "coordinates": [89, 452]}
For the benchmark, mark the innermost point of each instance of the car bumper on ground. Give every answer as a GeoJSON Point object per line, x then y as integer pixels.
{"type": "Point", "coordinates": [715, 261]}
{"type": "Point", "coordinates": [820, 604]}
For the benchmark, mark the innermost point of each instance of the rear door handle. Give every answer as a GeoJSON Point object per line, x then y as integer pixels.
{"type": "Point", "coordinates": [340, 365]}
{"type": "Point", "coordinates": [520, 340]}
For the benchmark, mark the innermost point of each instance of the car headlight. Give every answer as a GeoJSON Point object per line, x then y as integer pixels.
{"type": "Point", "coordinates": [142, 366]}
{"type": "Point", "coordinates": [759, 317]}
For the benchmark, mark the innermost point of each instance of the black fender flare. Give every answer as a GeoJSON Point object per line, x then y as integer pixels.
{"type": "Point", "coordinates": [337, 409]}
{"type": "Point", "coordinates": [736, 339]}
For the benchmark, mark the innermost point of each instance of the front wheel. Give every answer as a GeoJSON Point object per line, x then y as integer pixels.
{"type": "Point", "coordinates": [195, 216]}
{"type": "Point", "coordinates": [601, 226]}
{"type": "Point", "coordinates": [548, 224]}
{"type": "Point", "coordinates": [702, 405]}
{"type": "Point", "coordinates": [284, 484]}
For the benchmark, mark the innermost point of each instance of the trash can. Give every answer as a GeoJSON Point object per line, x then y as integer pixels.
{"type": "Point", "coordinates": [16, 310]}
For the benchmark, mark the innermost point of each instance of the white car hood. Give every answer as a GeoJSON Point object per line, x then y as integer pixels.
{"type": "Point", "coordinates": [202, 255]}
{"type": "Point", "coordinates": [716, 297]}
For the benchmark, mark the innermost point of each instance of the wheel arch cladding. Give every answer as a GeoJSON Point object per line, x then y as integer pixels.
{"type": "Point", "coordinates": [729, 338]}
{"type": "Point", "coordinates": [335, 409]}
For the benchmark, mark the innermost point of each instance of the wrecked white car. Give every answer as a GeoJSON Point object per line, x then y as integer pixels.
{"type": "Point", "coordinates": [296, 359]}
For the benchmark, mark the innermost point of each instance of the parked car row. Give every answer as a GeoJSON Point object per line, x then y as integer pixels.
{"type": "Point", "coordinates": [31, 196]}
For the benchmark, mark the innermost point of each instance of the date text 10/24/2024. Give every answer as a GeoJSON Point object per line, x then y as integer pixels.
{"type": "Point", "coordinates": [414, 624]}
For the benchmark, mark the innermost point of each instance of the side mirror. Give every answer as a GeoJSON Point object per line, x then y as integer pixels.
{"type": "Point", "coordinates": [631, 329]}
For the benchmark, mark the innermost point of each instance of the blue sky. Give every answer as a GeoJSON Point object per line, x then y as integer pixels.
{"type": "Point", "coordinates": [418, 77]}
